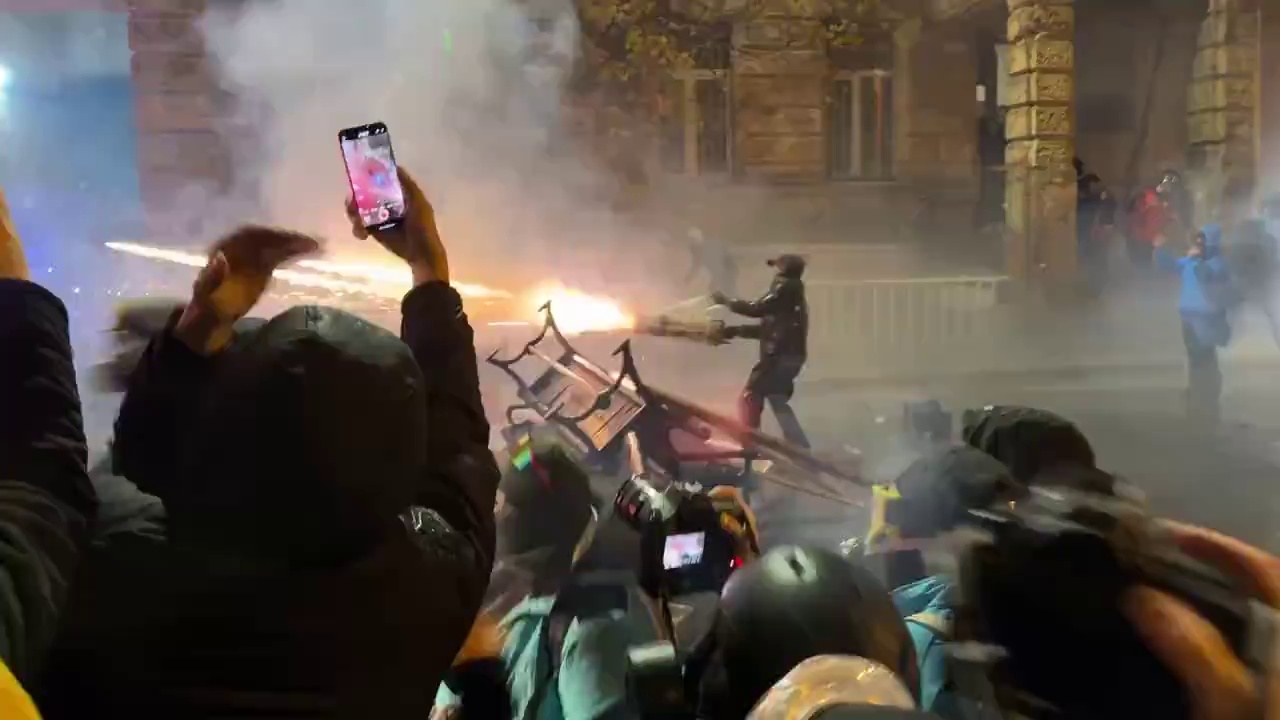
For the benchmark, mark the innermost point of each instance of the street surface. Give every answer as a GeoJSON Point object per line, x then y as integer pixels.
{"type": "Point", "coordinates": [1229, 482]}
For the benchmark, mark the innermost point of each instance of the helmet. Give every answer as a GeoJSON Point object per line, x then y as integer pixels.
{"type": "Point", "coordinates": [792, 604]}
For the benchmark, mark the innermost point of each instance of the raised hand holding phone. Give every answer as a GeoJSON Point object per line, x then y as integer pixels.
{"type": "Point", "coordinates": [387, 204]}
{"type": "Point", "coordinates": [416, 240]}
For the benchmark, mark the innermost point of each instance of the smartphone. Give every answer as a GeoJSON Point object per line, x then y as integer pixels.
{"type": "Point", "coordinates": [371, 171]}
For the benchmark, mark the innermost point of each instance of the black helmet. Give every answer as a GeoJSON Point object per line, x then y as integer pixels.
{"type": "Point", "coordinates": [792, 604]}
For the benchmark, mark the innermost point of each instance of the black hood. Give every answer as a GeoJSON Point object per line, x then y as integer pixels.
{"type": "Point", "coordinates": [1029, 441]}
{"type": "Point", "coordinates": [310, 440]}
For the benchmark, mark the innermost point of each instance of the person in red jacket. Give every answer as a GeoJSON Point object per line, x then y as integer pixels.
{"type": "Point", "coordinates": [1157, 213]}
{"type": "Point", "coordinates": [1148, 219]}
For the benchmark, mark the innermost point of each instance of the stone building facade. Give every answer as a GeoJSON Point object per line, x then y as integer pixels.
{"type": "Point", "coordinates": [795, 139]}
{"type": "Point", "coordinates": [179, 106]}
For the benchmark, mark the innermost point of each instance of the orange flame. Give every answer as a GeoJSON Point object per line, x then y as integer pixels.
{"type": "Point", "coordinates": [577, 312]}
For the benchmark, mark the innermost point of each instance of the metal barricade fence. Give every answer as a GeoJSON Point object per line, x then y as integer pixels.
{"type": "Point", "coordinates": [901, 321]}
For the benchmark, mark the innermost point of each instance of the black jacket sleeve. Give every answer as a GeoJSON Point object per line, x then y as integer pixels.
{"type": "Point", "coordinates": [155, 410]}
{"type": "Point", "coordinates": [760, 307]}
{"type": "Point", "coordinates": [46, 500]}
{"type": "Point", "coordinates": [464, 476]}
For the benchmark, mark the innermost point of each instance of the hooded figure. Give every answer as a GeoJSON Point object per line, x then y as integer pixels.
{"type": "Point", "coordinates": [1205, 297]}
{"type": "Point", "coordinates": [327, 550]}
{"type": "Point", "coordinates": [1032, 443]}
{"type": "Point", "coordinates": [783, 333]}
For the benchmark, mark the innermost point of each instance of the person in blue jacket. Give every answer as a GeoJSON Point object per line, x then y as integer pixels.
{"type": "Point", "coordinates": [1203, 303]}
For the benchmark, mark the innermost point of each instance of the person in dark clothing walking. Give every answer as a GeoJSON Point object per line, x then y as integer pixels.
{"type": "Point", "coordinates": [330, 496]}
{"type": "Point", "coordinates": [1095, 216]}
{"type": "Point", "coordinates": [46, 500]}
{"type": "Point", "coordinates": [783, 333]}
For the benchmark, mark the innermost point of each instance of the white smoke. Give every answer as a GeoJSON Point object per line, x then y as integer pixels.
{"type": "Point", "coordinates": [472, 93]}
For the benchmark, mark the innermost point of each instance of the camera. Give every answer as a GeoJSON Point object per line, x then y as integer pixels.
{"type": "Point", "coordinates": [1041, 585]}
{"type": "Point", "coordinates": [684, 548]}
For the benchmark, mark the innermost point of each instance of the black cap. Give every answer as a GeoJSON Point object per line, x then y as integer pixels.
{"type": "Point", "coordinates": [788, 265]}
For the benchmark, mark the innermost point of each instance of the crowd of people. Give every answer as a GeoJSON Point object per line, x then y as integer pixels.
{"type": "Point", "coordinates": [301, 517]}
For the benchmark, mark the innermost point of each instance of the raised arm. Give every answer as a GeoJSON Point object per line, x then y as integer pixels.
{"type": "Point", "coordinates": [1166, 260]}
{"type": "Point", "coordinates": [464, 476]}
{"type": "Point", "coordinates": [758, 308]}
{"type": "Point", "coordinates": [463, 479]}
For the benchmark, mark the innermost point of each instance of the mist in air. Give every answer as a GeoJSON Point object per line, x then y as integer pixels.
{"type": "Point", "coordinates": [471, 91]}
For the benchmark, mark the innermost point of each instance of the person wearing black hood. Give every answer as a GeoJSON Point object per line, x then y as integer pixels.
{"type": "Point", "coordinates": [330, 498]}
{"type": "Point", "coordinates": [783, 333]}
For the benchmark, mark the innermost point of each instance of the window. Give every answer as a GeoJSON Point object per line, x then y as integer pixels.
{"type": "Point", "coordinates": [860, 126]}
{"type": "Point", "coordinates": [697, 138]}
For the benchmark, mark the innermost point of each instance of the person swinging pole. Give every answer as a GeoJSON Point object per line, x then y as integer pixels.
{"type": "Point", "coordinates": [783, 332]}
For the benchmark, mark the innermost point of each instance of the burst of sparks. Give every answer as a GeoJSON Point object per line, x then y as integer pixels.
{"type": "Point", "coordinates": [575, 311]}
{"type": "Point", "coordinates": [578, 312]}
{"type": "Point", "coordinates": [371, 279]}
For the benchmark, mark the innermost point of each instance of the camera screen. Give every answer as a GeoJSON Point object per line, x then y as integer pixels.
{"type": "Point", "coordinates": [683, 550]}
{"type": "Point", "coordinates": [371, 166]}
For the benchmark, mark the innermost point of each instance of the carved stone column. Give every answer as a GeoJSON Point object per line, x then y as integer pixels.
{"type": "Point", "coordinates": [181, 158]}
{"type": "Point", "coordinates": [1040, 194]}
{"type": "Point", "coordinates": [779, 74]}
{"type": "Point", "coordinates": [1222, 111]}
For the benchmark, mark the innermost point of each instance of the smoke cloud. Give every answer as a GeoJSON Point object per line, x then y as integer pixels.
{"type": "Point", "coordinates": [472, 93]}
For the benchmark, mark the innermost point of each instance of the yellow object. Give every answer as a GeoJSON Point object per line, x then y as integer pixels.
{"type": "Point", "coordinates": [13, 261]}
{"type": "Point", "coordinates": [879, 530]}
{"type": "Point", "coordinates": [15, 703]}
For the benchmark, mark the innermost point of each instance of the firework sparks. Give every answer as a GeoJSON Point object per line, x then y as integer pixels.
{"type": "Point", "coordinates": [578, 312]}
{"type": "Point", "coordinates": [575, 311]}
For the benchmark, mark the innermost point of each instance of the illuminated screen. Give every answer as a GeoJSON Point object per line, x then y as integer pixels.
{"type": "Point", "coordinates": [371, 166]}
{"type": "Point", "coordinates": [683, 550]}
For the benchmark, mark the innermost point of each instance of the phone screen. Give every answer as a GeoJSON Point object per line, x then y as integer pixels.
{"type": "Point", "coordinates": [682, 551]}
{"type": "Point", "coordinates": [371, 169]}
